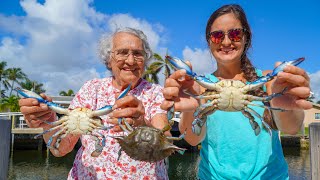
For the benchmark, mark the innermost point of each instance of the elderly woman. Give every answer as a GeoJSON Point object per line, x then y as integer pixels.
{"type": "Point", "coordinates": [125, 53]}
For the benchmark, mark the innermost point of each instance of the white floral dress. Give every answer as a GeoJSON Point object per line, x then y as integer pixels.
{"type": "Point", "coordinates": [95, 94]}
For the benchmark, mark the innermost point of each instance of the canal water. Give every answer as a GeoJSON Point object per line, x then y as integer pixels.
{"type": "Point", "coordinates": [40, 165]}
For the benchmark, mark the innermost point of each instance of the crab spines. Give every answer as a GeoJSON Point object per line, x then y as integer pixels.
{"type": "Point", "coordinates": [179, 64]}
{"type": "Point", "coordinates": [53, 106]}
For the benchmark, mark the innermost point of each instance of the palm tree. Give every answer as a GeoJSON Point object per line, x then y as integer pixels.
{"type": "Point", "coordinates": [32, 86]}
{"type": "Point", "coordinates": [68, 93]}
{"type": "Point", "coordinates": [3, 76]}
{"type": "Point", "coordinates": [153, 70]}
{"type": "Point", "coordinates": [10, 104]}
{"type": "Point", "coordinates": [15, 74]}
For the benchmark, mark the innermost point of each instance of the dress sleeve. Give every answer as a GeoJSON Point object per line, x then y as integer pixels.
{"type": "Point", "coordinates": [156, 99]}
{"type": "Point", "coordinates": [86, 96]}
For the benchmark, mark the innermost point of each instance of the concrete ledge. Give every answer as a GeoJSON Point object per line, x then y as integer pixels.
{"type": "Point", "coordinates": [27, 130]}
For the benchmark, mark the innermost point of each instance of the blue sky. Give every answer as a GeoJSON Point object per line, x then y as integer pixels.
{"type": "Point", "coordinates": [55, 42]}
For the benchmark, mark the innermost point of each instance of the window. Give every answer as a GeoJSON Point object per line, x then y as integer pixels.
{"type": "Point", "coordinates": [317, 116]}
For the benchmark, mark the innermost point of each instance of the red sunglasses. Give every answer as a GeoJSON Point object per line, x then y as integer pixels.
{"type": "Point", "coordinates": [234, 35]}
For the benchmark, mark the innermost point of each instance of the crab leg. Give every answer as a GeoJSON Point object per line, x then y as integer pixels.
{"type": "Point", "coordinates": [49, 130]}
{"type": "Point", "coordinates": [108, 108]}
{"type": "Point", "coordinates": [205, 95]}
{"type": "Point", "coordinates": [57, 141]}
{"type": "Point", "coordinates": [98, 146]}
{"type": "Point", "coordinates": [125, 129]}
{"type": "Point", "coordinates": [266, 125]}
{"type": "Point", "coordinates": [254, 124]}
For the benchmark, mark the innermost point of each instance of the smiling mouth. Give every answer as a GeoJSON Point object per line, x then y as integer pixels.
{"type": "Point", "coordinates": [227, 51]}
{"type": "Point", "coordinates": [128, 69]}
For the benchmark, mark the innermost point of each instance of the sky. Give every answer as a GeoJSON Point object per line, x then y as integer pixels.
{"type": "Point", "coordinates": [55, 41]}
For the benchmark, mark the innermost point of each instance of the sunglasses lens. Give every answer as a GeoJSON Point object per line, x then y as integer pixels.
{"type": "Point", "coordinates": [235, 35]}
{"type": "Point", "coordinates": [217, 36]}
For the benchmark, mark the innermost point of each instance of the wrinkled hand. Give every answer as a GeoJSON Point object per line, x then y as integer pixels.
{"type": "Point", "coordinates": [173, 93]}
{"type": "Point", "coordinates": [130, 108]}
{"type": "Point", "coordinates": [297, 83]}
{"type": "Point", "coordinates": [35, 113]}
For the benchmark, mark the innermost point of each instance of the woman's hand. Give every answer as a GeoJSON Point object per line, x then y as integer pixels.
{"type": "Point", "coordinates": [36, 113]}
{"type": "Point", "coordinates": [131, 109]}
{"type": "Point", "coordinates": [173, 93]}
{"type": "Point", "coordinates": [298, 90]}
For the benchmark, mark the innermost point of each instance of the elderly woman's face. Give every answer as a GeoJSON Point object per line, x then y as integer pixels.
{"type": "Point", "coordinates": [127, 69]}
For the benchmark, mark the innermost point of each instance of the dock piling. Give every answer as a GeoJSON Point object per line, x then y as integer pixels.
{"type": "Point", "coordinates": [5, 134]}
{"type": "Point", "coordinates": [314, 134]}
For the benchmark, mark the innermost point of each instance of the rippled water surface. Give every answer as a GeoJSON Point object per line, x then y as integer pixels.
{"type": "Point", "coordinates": [32, 164]}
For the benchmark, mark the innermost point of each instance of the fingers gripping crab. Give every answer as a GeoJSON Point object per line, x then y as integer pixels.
{"type": "Point", "coordinates": [147, 143]}
{"type": "Point", "coordinates": [81, 121]}
{"type": "Point", "coordinates": [230, 95]}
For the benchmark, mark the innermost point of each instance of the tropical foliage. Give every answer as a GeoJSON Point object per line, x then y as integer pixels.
{"type": "Point", "coordinates": [9, 104]}
{"type": "Point", "coordinates": [152, 71]}
{"type": "Point", "coordinates": [68, 93]}
{"type": "Point", "coordinates": [9, 79]}
{"type": "Point", "coordinates": [32, 86]}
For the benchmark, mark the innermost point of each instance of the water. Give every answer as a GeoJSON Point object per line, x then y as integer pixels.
{"type": "Point", "coordinates": [39, 165]}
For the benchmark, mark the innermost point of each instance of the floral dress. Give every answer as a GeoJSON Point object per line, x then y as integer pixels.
{"type": "Point", "coordinates": [95, 94]}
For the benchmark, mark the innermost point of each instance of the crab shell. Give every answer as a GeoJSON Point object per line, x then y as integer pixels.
{"type": "Point", "coordinates": [81, 121]}
{"type": "Point", "coordinates": [147, 144]}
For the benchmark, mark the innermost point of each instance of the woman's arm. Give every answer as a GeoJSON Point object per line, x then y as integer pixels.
{"type": "Point", "coordinates": [35, 114]}
{"type": "Point", "coordinates": [296, 82]}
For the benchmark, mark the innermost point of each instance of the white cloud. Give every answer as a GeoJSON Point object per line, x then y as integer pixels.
{"type": "Point", "coordinates": [202, 61]}
{"type": "Point", "coordinates": [315, 84]}
{"type": "Point", "coordinates": [55, 43]}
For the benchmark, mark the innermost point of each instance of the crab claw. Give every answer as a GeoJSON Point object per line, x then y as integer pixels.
{"type": "Point", "coordinates": [284, 64]}
{"type": "Point", "coordinates": [108, 108]}
{"type": "Point", "coordinates": [53, 106]}
{"type": "Point", "coordinates": [179, 64]}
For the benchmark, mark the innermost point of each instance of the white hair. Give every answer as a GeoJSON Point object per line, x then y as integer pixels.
{"type": "Point", "coordinates": [106, 44]}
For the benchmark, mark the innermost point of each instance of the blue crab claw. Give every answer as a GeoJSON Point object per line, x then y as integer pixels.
{"type": "Point", "coordinates": [29, 94]}
{"type": "Point", "coordinates": [108, 108]}
{"type": "Point", "coordinates": [284, 64]}
{"type": "Point", "coordinates": [259, 82]}
{"type": "Point", "coordinates": [179, 64]}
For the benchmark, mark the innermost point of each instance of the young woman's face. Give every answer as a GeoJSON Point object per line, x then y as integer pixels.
{"type": "Point", "coordinates": [227, 50]}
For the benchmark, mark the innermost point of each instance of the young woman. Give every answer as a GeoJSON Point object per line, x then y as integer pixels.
{"type": "Point", "coordinates": [230, 148]}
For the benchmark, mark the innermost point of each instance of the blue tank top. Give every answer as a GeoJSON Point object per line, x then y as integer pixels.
{"type": "Point", "coordinates": [231, 150]}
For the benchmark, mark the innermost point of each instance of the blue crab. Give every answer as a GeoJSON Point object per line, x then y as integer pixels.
{"type": "Point", "coordinates": [79, 121]}
{"type": "Point", "coordinates": [147, 144]}
{"type": "Point", "coordinates": [230, 95]}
